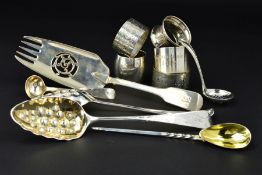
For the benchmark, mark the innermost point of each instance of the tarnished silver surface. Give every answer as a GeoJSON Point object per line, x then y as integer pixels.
{"type": "Point", "coordinates": [130, 38]}
{"type": "Point", "coordinates": [62, 63]}
{"type": "Point", "coordinates": [130, 68]}
{"type": "Point", "coordinates": [162, 80]}
{"type": "Point", "coordinates": [171, 60]}
{"type": "Point", "coordinates": [197, 119]}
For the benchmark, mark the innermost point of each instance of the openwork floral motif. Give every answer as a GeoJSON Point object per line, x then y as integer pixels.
{"type": "Point", "coordinates": [64, 65]}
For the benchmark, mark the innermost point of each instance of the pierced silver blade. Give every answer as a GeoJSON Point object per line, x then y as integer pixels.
{"type": "Point", "coordinates": [35, 39]}
{"type": "Point", "coordinates": [33, 52]}
{"type": "Point", "coordinates": [26, 56]}
{"type": "Point", "coordinates": [37, 47]}
{"type": "Point", "coordinates": [77, 75]}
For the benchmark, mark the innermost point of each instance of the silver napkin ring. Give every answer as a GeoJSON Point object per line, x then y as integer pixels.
{"type": "Point", "coordinates": [130, 38]}
{"type": "Point", "coordinates": [130, 68]}
{"type": "Point", "coordinates": [162, 80]}
{"type": "Point", "coordinates": [171, 67]}
{"type": "Point", "coordinates": [165, 34]}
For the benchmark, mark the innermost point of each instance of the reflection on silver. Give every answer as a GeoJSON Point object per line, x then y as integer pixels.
{"type": "Point", "coordinates": [157, 37]}
{"type": "Point", "coordinates": [171, 60]}
{"type": "Point", "coordinates": [167, 33]}
{"type": "Point", "coordinates": [130, 68]}
{"type": "Point", "coordinates": [171, 67]}
{"type": "Point", "coordinates": [130, 38]}
{"type": "Point", "coordinates": [162, 80]}
{"type": "Point", "coordinates": [176, 30]}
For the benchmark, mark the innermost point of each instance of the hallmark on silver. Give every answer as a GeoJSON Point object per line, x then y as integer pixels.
{"type": "Point", "coordinates": [186, 99]}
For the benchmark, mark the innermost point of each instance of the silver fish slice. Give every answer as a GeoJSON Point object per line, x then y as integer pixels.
{"type": "Point", "coordinates": [81, 69]}
{"type": "Point", "coordinates": [62, 63]}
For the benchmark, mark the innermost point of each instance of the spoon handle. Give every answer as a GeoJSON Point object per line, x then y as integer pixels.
{"type": "Point", "coordinates": [152, 133]}
{"type": "Point", "coordinates": [137, 108]}
{"type": "Point", "coordinates": [53, 89]}
{"type": "Point", "coordinates": [196, 119]}
{"type": "Point", "coordinates": [193, 53]}
{"type": "Point", "coordinates": [102, 93]}
{"type": "Point", "coordinates": [185, 99]}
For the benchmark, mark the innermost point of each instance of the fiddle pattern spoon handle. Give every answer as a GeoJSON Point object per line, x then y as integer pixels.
{"type": "Point", "coordinates": [137, 108]}
{"type": "Point", "coordinates": [185, 99]}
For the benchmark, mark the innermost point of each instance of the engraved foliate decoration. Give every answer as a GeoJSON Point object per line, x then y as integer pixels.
{"type": "Point", "coordinates": [64, 65]}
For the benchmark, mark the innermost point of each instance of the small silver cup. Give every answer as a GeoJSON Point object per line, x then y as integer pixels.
{"type": "Point", "coordinates": [171, 67]}
{"type": "Point", "coordinates": [130, 38]}
{"type": "Point", "coordinates": [130, 68]}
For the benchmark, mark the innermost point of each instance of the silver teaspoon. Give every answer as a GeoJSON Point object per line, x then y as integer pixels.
{"type": "Point", "coordinates": [226, 135]}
